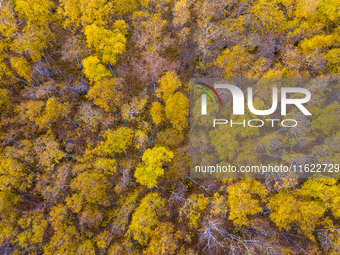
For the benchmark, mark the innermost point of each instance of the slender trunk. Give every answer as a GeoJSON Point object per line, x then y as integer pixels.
{"type": "Point", "coordinates": [114, 75]}
{"type": "Point", "coordinates": [171, 123]}
{"type": "Point", "coordinates": [126, 156]}
{"type": "Point", "coordinates": [24, 81]}
{"type": "Point", "coordinates": [128, 29]}
{"type": "Point", "coordinates": [186, 54]}
{"type": "Point", "coordinates": [53, 37]}
{"type": "Point", "coordinates": [72, 121]}
{"type": "Point", "coordinates": [154, 88]}
{"type": "Point", "coordinates": [52, 47]}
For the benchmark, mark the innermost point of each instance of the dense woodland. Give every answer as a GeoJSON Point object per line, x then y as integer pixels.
{"type": "Point", "coordinates": [94, 131]}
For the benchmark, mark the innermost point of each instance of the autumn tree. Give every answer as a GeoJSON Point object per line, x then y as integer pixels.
{"type": "Point", "coordinates": [89, 186]}
{"type": "Point", "coordinates": [133, 109]}
{"type": "Point", "coordinates": [94, 104]}
{"type": "Point", "coordinates": [157, 113]}
{"type": "Point", "coordinates": [36, 13]}
{"type": "Point", "coordinates": [295, 211]}
{"type": "Point", "coordinates": [34, 226]}
{"type": "Point", "coordinates": [22, 67]}
{"type": "Point", "coordinates": [176, 103]}
{"type": "Point", "coordinates": [181, 19]}
{"type": "Point", "coordinates": [209, 35]}
{"type": "Point", "coordinates": [193, 209]}
{"type": "Point", "coordinates": [91, 117]}
{"type": "Point", "coordinates": [77, 14]}
{"type": "Point", "coordinates": [94, 70]}
{"type": "Point", "coordinates": [168, 84]}
{"type": "Point", "coordinates": [5, 102]}
{"type": "Point", "coordinates": [8, 23]}
{"type": "Point", "coordinates": [325, 121]}
{"type": "Point", "coordinates": [13, 174]}
{"type": "Point", "coordinates": [106, 42]}
{"type": "Point", "coordinates": [165, 240]}
{"type": "Point", "coordinates": [145, 218]}
{"type": "Point", "coordinates": [149, 31]}
{"type": "Point", "coordinates": [115, 141]}
{"type": "Point", "coordinates": [241, 202]}
{"type": "Point", "coordinates": [54, 109]}
{"type": "Point", "coordinates": [107, 94]}
{"type": "Point", "coordinates": [48, 151]}
{"type": "Point", "coordinates": [213, 236]}
{"type": "Point", "coordinates": [153, 159]}
{"type": "Point", "coordinates": [65, 236]}
{"type": "Point", "coordinates": [176, 110]}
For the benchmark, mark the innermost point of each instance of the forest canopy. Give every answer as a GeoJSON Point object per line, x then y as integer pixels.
{"type": "Point", "coordinates": [94, 127]}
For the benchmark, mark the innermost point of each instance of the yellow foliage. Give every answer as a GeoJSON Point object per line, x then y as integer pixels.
{"type": "Point", "coordinates": [193, 208]}
{"type": "Point", "coordinates": [176, 109]}
{"type": "Point", "coordinates": [92, 187]}
{"type": "Point", "coordinates": [318, 42]}
{"type": "Point", "coordinates": [124, 7]}
{"type": "Point", "coordinates": [31, 110]}
{"type": "Point", "coordinates": [168, 84]}
{"type": "Point", "coordinates": [52, 112]}
{"type": "Point", "coordinates": [141, 139]}
{"type": "Point", "coordinates": [164, 240]}
{"type": "Point", "coordinates": [241, 200]}
{"type": "Point", "coordinates": [48, 151]}
{"type": "Point", "coordinates": [22, 67]}
{"type": "Point", "coordinates": [4, 100]}
{"type": "Point", "coordinates": [36, 12]}
{"type": "Point", "coordinates": [145, 218]}
{"type": "Point", "coordinates": [157, 113]}
{"type": "Point", "coordinates": [115, 141]}
{"type": "Point", "coordinates": [326, 120]}
{"type": "Point", "coordinates": [289, 210]}
{"type": "Point", "coordinates": [333, 60]}
{"type": "Point", "coordinates": [106, 42]}
{"type": "Point", "coordinates": [12, 174]}
{"type": "Point", "coordinates": [94, 70]}
{"type": "Point", "coordinates": [131, 110]}
{"type": "Point", "coordinates": [106, 94]}
{"type": "Point", "coordinates": [148, 172]}
{"type": "Point", "coordinates": [233, 61]}
{"type": "Point", "coordinates": [8, 24]}
{"type": "Point", "coordinates": [181, 13]}
{"type": "Point", "coordinates": [219, 205]}
{"type": "Point", "coordinates": [34, 226]}
{"type": "Point", "coordinates": [76, 13]}
{"type": "Point", "coordinates": [149, 31]}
